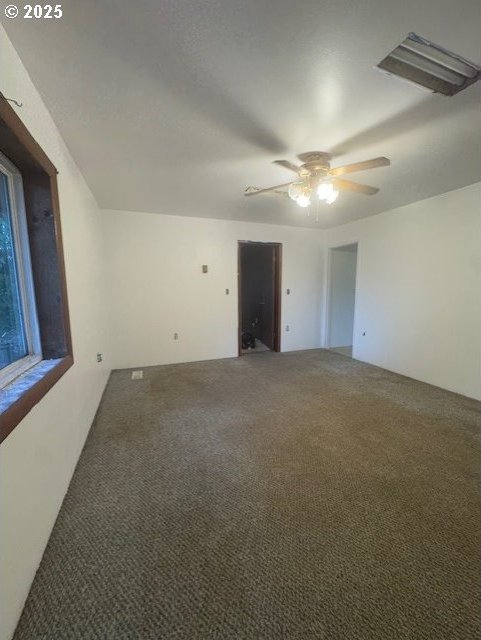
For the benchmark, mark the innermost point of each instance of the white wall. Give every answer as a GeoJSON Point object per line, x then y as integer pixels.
{"type": "Point", "coordinates": [417, 299]}
{"type": "Point", "coordinates": [418, 292]}
{"type": "Point", "coordinates": [342, 288]}
{"type": "Point", "coordinates": [157, 287]}
{"type": "Point", "coordinates": [38, 457]}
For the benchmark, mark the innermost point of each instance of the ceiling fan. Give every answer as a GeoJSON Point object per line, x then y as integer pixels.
{"type": "Point", "coordinates": [315, 176]}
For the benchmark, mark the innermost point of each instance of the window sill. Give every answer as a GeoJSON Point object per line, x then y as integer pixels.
{"type": "Point", "coordinates": [17, 398]}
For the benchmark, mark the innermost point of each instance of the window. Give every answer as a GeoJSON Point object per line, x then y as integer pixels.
{"type": "Point", "coordinates": [19, 336]}
{"type": "Point", "coordinates": [35, 342]}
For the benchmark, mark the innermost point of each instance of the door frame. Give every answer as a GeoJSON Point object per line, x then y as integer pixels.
{"type": "Point", "coordinates": [277, 254]}
{"type": "Point", "coordinates": [328, 298]}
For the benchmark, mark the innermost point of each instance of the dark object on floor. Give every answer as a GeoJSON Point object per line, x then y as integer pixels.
{"type": "Point", "coordinates": [248, 341]}
{"type": "Point", "coordinates": [297, 496]}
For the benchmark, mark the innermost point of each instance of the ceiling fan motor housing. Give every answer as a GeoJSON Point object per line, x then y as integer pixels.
{"type": "Point", "coordinates": [315, 163]}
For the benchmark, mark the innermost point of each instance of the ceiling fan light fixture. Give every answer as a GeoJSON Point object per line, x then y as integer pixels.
{"type": "Point", "coordinates": [317, 178]}
{"type": "Point", "coordinates": [431, 66]}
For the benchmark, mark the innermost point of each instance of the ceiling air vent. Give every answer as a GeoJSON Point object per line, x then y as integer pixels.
{"type": "Point", "coordinates": [430, 66]}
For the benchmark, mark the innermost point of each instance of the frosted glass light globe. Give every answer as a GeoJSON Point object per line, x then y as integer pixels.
{"type": "Point", "coordinates": [303, 201]}
{"type": "Point", "coordinates": [296, 190]}
{"type": "Point", "coordinates": [324, 190]}
{"type": "Point", "coordinates": [333, 197]}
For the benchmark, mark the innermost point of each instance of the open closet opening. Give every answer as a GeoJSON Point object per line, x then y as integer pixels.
{"type": "Point", "coordinates": [259, 297]}
{"type": "Point", "coordinates": [342, 298]}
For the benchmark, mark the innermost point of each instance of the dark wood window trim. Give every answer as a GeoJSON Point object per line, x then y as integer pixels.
{"type": "Point", "coordinates": [17, 411]}
{"type": "Point", "coordinates": [43, 219]}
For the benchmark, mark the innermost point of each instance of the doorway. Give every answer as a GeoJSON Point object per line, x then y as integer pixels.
{"type": "Point", "coordinates": [259, 296]}
{"type": "Point", "coordinates": [341, 298]}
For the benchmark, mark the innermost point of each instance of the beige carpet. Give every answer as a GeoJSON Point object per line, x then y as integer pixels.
{"type": "Point", "coordinates": [344, 351]}
{"type": "Point", "coordinates": [291, 496]}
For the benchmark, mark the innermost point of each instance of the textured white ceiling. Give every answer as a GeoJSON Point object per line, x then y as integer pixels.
{"type": "Point", "coordinates": [176, 106]}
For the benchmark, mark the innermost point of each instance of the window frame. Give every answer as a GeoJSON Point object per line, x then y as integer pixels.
{"type": "Point", "coordinates": [44, 231]}
{"type": "Point", "coordinates": [24, 274]}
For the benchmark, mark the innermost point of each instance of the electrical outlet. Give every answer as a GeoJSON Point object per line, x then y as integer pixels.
{"type": "Point", "coordinates": [176, 336]}
{"type": "Point", "coordinates": [288, 327]}
{"type": "Point", "coordinates": [227, 292]}
{"type": "Point", "coordinates": [99, 357]}
{"type": "Point", "coordinates": [363, 332]}
{"type": "Point", "coordinates": [288, 291]}
{"type": "Point", "coordinates": [137, 375]}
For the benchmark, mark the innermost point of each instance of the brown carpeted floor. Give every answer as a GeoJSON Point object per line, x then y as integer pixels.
{"type": "Point", "coordinates": [288, 496]}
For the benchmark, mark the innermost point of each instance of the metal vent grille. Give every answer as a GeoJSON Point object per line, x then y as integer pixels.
{"type": "Point", "coordinates": [431, 66]}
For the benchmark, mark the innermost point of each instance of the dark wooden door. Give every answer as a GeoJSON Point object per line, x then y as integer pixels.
{"type": "Point", "coordinates": [267, 296]}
